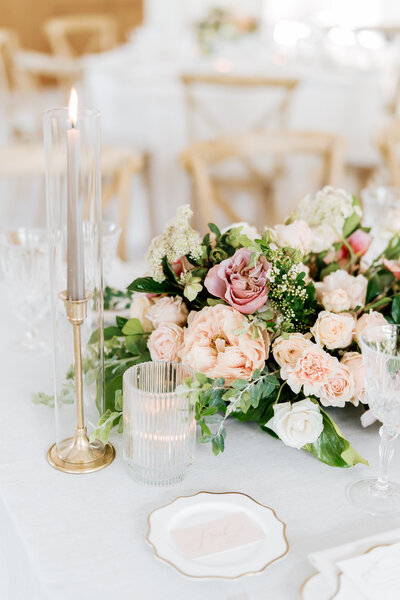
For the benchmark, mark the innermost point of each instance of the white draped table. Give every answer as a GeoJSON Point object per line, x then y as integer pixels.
{"type": "Point", "coordinates": [82, 537]}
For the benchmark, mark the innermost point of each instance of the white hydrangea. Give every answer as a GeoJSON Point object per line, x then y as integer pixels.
{"type": "Point", "coordinates": [326, 213]}
{"type": "Point", "coordinates": [178, 239]}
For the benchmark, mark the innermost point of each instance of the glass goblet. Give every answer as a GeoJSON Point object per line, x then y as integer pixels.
{"type": "Point", "coordinates": [24, 260]}
{"type": "Point", "coordinates": [381, 356]}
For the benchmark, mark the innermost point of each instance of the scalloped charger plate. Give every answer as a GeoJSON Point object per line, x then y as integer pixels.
{"type": "Point", "coordinates": [205, 507]}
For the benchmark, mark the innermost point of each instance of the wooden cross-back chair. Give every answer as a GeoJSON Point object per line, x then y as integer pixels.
{"type": "Point", "coordinates": [275, 115]}
{"type": "Point", "coordinates": [278, 94]}
{"type": "Point", "coordinates": [199, 159]}
{"type": "Point", "coordinates": [95, 33]}
{"type": "Point", "coordinates": [118, 166]}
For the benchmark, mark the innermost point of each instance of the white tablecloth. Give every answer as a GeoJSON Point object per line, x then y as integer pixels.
{"type": "Point", "coordinates": [83, 536]}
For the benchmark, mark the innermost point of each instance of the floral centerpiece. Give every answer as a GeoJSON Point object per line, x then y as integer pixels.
{"type": "Point", "coordinates": [269, 321]}
{"type": "Point", "coordinates": [223, 25]}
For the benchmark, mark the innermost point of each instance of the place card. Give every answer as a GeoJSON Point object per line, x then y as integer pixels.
{"type": "Point", "coordinates": [217, 536]}
{"type": "Point", "coordinates": [377, 573]}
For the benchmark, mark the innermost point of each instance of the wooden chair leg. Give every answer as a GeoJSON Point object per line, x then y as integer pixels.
{"type": "Point", "coordinates": [146, 177]}
{"type": "Point", "coordinates": [124, 190]}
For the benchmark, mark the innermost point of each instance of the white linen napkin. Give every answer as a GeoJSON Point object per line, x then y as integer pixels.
{"type": "Point", "coordinates": [325, 561]}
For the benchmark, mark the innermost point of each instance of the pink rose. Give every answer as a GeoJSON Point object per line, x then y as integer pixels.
{"type": "Point", "coordinates": [354, 362]}
{"type": "Point", "coordinates": [359, 241]}
{"type": "Point", "coordinates": [242, 286]}
{"type": "Point", "coordinates": [311, 370]}
{"type": "Point", "coordinates": [166, 342]}
{"type": "Point", "coordinates": [212, 345]}
{"type": "Point", "coordinates": [338, 388]}
{"type": "Point", "coordinates": [393, 266]}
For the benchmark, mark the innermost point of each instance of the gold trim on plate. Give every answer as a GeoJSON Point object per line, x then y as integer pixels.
{"type": "Point", "coordinates": [303, 585]}
{"type": "Point", "coordinates": [215, 576]}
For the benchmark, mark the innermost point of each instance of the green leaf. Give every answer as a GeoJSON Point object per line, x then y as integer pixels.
{"type": "Point", "coordinates": [147, 285]}
{"type": "Point", "coordinates": [351, 224]}
{"type": "Point", "coordinates": [106, 423]}
{"type": "Point", "coordinates": [121, 321]}
{"type": "Point", "coordinates": [332, 448]}
{"type": "Point", "coordinates": [372, 289]}
{"type": "Point", "coordinates": [136, 344]}
{"type": "Point", "coordinates": [396, 310]}
{"type": "Point", "coordinates": [110, 332]}
{"type": "Point", "coordinates": [132, 327]}
{"type": "Point", "coordinates": [212, 227]}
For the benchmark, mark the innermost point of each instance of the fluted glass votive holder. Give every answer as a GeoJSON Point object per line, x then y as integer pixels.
{"type": "Point", "coordinates": [159, 423]}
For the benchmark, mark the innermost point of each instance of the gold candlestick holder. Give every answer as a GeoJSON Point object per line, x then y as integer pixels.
{"type": "Point", "coordinates": [77, 454]}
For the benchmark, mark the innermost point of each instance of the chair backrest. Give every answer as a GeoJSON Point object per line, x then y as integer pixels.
{"type": "Point", "coordinates": [200, 157]}
{"type": "Point", "coordinates": [9, 44]}
{"type": "Point", "coordinates": [274, 113]}
{"type": "Point", "coordinates": [389, 145]}
{"type": "Point", "coordinates": [75, 35]}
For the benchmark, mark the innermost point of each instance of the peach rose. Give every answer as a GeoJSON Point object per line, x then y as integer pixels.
{"type": "Point", "coordinates": [336, 300]}
{"type": "Point", "coordinates": [168, 309]}
{"type": "Point", "coordinates": [354, 362]}
{"type": "Point", "coordinates": [140, 307]}
{"type": "Point", "coordinates": [334, 331]}
{"type": "Point", "coordinates": [371, 319]}
{"type": "Point", "coordinates": [355, 287]}
{"type": "Point", "coordinates": [286, 352]}
{"type": "Point", "coordinates": [296, 235]}
{"type": "Point", "coordinates": [310, 371]}
{"type": "Point", "coordinates": [338, 388]}
{"type": "Point", "coordinates": [212, 345]}
{"type": "Point", "coordinates": [166, 342]}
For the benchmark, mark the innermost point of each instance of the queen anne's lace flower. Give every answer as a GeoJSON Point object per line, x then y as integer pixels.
{"type": "Point", "coordinates": [326, 213]}
{"type": "Point", "coordinates": [179, 239]}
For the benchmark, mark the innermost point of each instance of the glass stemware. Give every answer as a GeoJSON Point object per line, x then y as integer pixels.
{"type": "Point", "coordinates": [381, 355]}
{"type": "Point", "coordinates": [24, 260]}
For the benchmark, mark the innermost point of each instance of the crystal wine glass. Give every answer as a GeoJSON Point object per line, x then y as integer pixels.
{"type": "Point", "coordinates": [381, 355]}
{"type": "Point", "coordinates": [24, 260]}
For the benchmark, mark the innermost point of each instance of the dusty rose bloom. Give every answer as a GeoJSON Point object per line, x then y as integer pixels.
{"type": "Point", "coordinates": [242, 286]}
{"type": "Point", "coordinates": [212, 347]}
{"type": "Point", "coordinates": [166, 342]}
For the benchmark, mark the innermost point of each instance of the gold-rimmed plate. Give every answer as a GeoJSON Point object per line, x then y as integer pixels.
{"type": "Point", "coordinates": [203, 509]}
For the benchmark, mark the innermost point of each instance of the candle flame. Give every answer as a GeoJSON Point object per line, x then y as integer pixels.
{"type": "Point", "coordinates": [73, 107]}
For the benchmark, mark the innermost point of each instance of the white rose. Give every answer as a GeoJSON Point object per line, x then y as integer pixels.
{"type": "Point", "coordinates": [339, 387]}
{"type": "Point", "coordinates": [336, 300]}
{"type": "Point", "coordinates": [297, 424]}
{"type": "Point", "coordinates": [354, 362]}
{"type": "Point", "coordinates": [355, 287]}
{"type": "Point", "coordinates": [371, 319]}
{"type": "Point", "coordinates": [324, 236]}
{"type": "Point", "coordinates": [165, 343]}
{"type": "Point", "coordinates": [334, 331]}
{"type": "Point", "coordinates": [286, 352]}
{"type": "Point", "coordinates": [168, 309]}
{"type": "Point", "coordinates": [140, 306]}
{"type": "Point", "coordinates": [296, 235]}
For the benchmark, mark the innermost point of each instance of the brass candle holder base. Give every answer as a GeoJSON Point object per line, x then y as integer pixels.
{"type": "Point", "coordinates": [80, 455]}
{"type": "Point", "coordinates": [77, 454]}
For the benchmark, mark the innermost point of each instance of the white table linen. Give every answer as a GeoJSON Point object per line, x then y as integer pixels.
{"type": "Point", "coordinates": [70, 536]}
